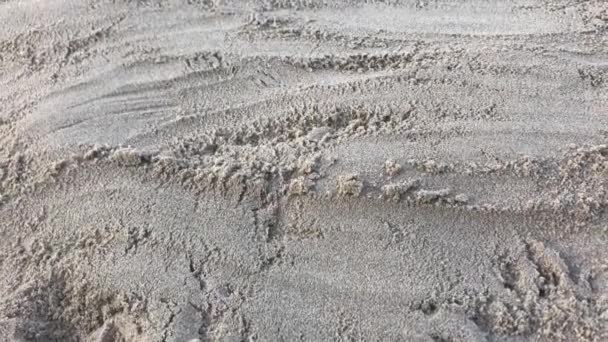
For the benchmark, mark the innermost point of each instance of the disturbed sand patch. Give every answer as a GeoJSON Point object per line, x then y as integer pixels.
{"type": "Point", "coordinates": [303, 170]}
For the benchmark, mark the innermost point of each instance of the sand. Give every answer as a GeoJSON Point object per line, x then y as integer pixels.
{"type": "Point", "coordinates": [303, 170]}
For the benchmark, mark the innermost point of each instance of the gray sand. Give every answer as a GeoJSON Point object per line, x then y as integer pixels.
{"type": "Point", "coordinates": [303, 170]}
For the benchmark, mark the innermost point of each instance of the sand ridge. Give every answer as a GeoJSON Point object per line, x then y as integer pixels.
{"type": "Point", "coordinates": [303, 170]}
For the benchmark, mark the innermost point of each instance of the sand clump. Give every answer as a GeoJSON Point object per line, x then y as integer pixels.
{"type": "Point", "coordinates": [395, 191]}
{"type": "Point", "coordinates": [300, 186]}
{"type": "Point", "coordinates": [430, 196]}
{"type": "Point", "coordinates": [392, 168]}
{"type": "Point", "coordinates": [349, 185]}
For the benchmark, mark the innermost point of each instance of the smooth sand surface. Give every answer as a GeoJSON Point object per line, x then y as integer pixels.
{"type": "Point", "coordinates": [303, 170]}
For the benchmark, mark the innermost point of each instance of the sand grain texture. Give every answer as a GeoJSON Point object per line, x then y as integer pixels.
{"type": "Point", "coordinates": [303, 170]}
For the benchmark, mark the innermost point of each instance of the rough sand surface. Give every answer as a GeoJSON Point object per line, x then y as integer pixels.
{"type": "Point", "coordinates": [303, 170]}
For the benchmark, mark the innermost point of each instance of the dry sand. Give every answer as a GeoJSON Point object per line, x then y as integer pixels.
{"type": "Point", "coordinates": [303, 170]}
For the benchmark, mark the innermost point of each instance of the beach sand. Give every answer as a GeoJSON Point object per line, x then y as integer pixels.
{"type": "Point", "coordinates": [303, 170]}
